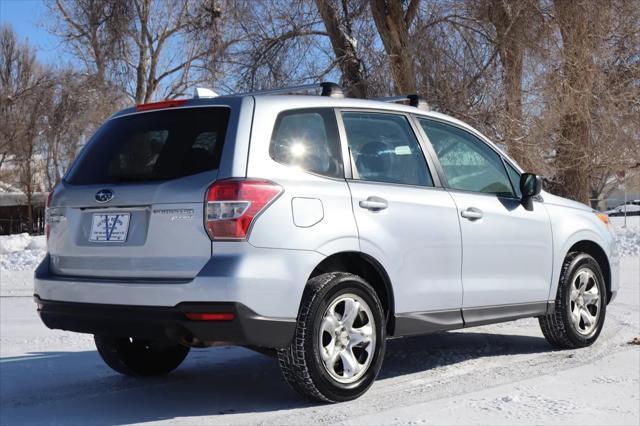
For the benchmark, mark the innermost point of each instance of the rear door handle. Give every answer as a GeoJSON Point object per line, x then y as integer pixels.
{"type": "Point", "coordinates": [472, 213]}
{"type": "Point", "coordinates": [374, 204]}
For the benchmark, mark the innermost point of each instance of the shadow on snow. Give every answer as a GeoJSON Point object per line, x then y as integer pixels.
{"type": "Point", "coordinates": [77, 388]}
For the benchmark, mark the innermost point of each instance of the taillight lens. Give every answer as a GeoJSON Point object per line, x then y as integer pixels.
{"type": "Point", "coordinates": [233, 204]}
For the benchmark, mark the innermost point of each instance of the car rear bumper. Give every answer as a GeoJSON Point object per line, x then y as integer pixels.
{"type": "Point", "coordinates": [153, 322]}
{"type": "Point", "coordinates": [268, 281]}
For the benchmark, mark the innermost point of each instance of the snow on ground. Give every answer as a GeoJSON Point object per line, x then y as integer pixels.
{"type": "Point", "coordinates": [20, 254]}
{"type": "Point", "coordinates": [497, 374]}
{"type": "Point", "coordinates": [628, 237]}
{"type": "Point", "coordinates": [21, 251]}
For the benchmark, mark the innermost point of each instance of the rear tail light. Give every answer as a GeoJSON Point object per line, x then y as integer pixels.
{"type": "Point", "coordinates": [233, 204]}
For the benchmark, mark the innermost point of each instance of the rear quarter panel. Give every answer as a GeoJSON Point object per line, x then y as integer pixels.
{"type": "Point", "coordinates": [330, 229]}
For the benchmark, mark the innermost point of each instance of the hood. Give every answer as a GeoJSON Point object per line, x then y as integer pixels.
{"type": "Point", "coordinates": [564, 202]}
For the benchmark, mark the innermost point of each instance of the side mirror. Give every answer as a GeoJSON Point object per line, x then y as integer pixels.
{"type": "Point", "coordinates": [530, 186]}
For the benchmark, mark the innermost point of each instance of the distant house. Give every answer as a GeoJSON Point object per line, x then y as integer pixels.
{"type": "Point", "coordinates": [14, 212]}
{"type": "Point", "coordinates": [616, 197]}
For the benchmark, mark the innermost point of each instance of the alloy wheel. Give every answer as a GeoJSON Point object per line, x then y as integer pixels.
{"type": "Point", "coordinates": [585, 302]}
{"type": "Point", "coordinates": [347, 338]}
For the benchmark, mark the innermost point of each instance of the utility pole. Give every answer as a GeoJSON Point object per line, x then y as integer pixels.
{"type": "Point", "coordinates": [624, 184]}
{"type": "Point", "coordinates": [622, 175]}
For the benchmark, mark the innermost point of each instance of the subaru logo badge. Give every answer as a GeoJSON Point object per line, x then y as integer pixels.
{"type": "Point", "coordinates": [104, 195]}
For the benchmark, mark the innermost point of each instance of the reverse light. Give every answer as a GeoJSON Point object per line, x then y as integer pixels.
{"type": "Point", "coordinates": [233, 204]}
{"type": "Point", "coordinates": [160, 105]}
{"type": "Point", "coordinates": [210, 316]}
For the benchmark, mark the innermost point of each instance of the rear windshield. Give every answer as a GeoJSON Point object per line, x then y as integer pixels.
{"type": "Point", "coordinates": [158, 145]}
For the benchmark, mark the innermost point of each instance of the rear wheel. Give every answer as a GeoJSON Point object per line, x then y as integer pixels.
{"type": "Point", "coordinates": [339, 342]}
{"type": "Point", "coordinates": [580, 305]}
{"type": "Point", "coordinates": [139, 357]}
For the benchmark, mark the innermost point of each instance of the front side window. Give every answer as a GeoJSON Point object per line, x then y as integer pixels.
{"type": "Point", "coordinates": [468, 163]}
{"type": "Point", "coordinates": [384, 148]}
{"type": "Point", "coordinates": [514, 175]}
{"type": "Point", "coordinates": [308, 139]}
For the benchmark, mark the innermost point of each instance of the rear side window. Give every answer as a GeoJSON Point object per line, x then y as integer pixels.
{"type": "Point", "coordinates": [385, 149]}
{"type": "Point", "coordinates": [308, 139]}
{"type": "Point", "coordinates": [151, 146]}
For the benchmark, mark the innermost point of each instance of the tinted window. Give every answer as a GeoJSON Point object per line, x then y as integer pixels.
{"type": "Point", "coordinates": [468, 163]}
{"type": "Point", "coordinates": [308, 138]}
{"type": "Point", "coordinates": [159, 145]}
{"type": "Point", "coordinates": [514, 175]}
{"type": "Point", "coordinates": [384, 148]}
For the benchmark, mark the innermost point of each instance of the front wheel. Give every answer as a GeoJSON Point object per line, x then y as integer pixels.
{"type": "Point", "coordinates": [139, 357]}
{"type": "Point", "coordinates": [339, 341]}
{"type": "Point", "coordinates": [580, 305]}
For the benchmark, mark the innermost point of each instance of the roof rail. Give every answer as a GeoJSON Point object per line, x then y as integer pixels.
{"type": "Point", "coordinates": [413, 100]}
{"type": "Point", "coordinates": [328, 89]}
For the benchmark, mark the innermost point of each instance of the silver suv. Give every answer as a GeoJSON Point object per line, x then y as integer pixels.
{"type": "Point", "coordinates": [312, 228]}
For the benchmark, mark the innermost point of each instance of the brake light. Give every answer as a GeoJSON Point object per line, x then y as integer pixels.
{"type": "Point", "coordinates": [162, 104]}
{"type": "Point", "coordinates": [233, 204]}
{"type": "Point", "coordinates": [210, 316]}
{"type": "Point", "coordinates": [47, 213]}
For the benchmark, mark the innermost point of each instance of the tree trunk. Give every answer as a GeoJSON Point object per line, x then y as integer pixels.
{"type": "Point", "coordinates": [393, 24]}
{"type": "Point", "coordinates": [141, 94]}
{"type": "Point", "coordinates": [577, 23]}
{"type": "Point", "coordinates": [344, 47]}
{"type": "Point", "coordinates": [507, 20]}
{"type": "Point", "coordinates": [512, 80]}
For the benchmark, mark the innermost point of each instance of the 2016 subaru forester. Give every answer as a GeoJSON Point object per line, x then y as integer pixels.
{"type": "Point", "coordinates": [314, 227]}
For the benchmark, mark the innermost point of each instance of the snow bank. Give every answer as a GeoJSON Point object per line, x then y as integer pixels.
{"type": "Point", "coordinates": [21, 251]}
{"type": "Point", "coordinates": [11, 243]}
{"type": "Point", "coordinates": [19, 242]}
{"type": "Point", "coordinates": [629, 241]}
{"type": "Point", "coordinates": [628, 237]}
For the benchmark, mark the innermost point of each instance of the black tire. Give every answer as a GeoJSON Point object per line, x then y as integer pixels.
{"type": "Point", "coordinates": [558, 327]}
{"type": "Point", "coordinates": [301, 365]}
{"type": "Point", "coordinates": [141, 358]}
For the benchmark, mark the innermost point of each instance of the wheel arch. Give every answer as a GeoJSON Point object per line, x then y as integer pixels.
{"type": "Point", "coordinates": [371, 270]}
{"type": "Point", "coordinates": [594, 250]}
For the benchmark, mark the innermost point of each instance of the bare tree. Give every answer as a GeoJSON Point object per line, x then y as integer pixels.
{"type": "Point", "coordinates": [23, 87]}
{"type": "Point", "coordinates": [275, 43]}
{"type": "Point", "coordinates": [393, 21]}
{"type": "Point", "coordinates": [148, 48]}
{"type": "Point", "coordinates": [456, 66]}
{"type": "Point", "coordinates": [580, 24]}
{"type": "Point", "coordinates": [338, 21]}
{"type": "Point", "coordinates": [18, 82]}
{"type": "Point", "coordinates": [556, 81]}
{"type": "Point", "coordinates": [94, 30]}
{"type": "Point", "coordinates": [516, 27]}
{"type": "Point", "coordinates": [74, 107]}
